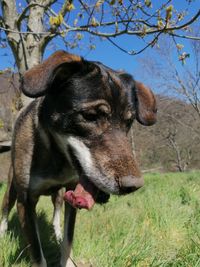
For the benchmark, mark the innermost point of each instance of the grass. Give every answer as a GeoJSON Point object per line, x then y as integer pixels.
{"type": "Point", "coordinates": [157, 226]}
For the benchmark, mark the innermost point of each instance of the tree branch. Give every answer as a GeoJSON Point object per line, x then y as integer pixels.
{"type": "Point", "coordinates": [25, 32]}
{"type": "Point", "coordinates": [9, 16]}
{"type": "Point", "coordinates": [139, 51]}
{"type": "Point", "coordinates": [196, 38]}
{"type": "Point", "coordinates": [27, 8]}
{"type": "Point", "coordinates": [87, 28]}
{"type": "Point", "coordinates": [9, 13]}
{"type": "Point", "coordinates": [139, 32]}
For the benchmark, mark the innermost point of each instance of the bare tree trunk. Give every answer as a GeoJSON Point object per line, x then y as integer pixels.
{"type": "Point", "coordinates": [179, 161]}
{"type": "Point", "coordinates": [27, 49]}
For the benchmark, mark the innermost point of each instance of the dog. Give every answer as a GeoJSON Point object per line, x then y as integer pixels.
{"type": "Point", "coordinates": [74, 134]}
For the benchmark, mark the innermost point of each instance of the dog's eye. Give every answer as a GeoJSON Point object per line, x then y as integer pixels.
{"type": "Point", "coordinates": [95, 114]}
{"type": "Point", "coordinates": [91, 116]}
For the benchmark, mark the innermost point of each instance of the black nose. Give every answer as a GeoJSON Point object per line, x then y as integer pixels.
{"type": "Point", "coordinates": [130, 183]}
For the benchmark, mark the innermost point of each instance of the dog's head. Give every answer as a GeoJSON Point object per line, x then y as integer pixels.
{"type": "Point", "coordinates": [90, 108]}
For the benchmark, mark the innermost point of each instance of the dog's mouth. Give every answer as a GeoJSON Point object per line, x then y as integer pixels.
{"type": "Point", "coordinates": [85, 195]}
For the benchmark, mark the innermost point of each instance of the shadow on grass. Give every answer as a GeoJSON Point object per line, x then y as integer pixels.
{"type": "Point", "coordinates": [50, 247]}
{"type": "Point", "coordinates": [1, 184]}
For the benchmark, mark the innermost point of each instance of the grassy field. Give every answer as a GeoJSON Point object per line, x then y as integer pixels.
{"type": "Point", "coordinates": [157, 226]}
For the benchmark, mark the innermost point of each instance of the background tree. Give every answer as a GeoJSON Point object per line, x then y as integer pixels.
{"type": "Point", "coordinates": [173, 143]}
{"type": "Point", "coordinates": [177, 132]}
{"type": "Point", "coordinates": [177, 80]}
{"type": "Point", "coordinates": [30, 25]}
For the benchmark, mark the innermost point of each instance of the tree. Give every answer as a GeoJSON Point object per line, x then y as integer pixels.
{"type": "Point", "coordinates": [173, 142]}
{"type": "Point", "coordinates": [178, 137]}
{"type": "Point", "coordinates": [30, 25]}
{"type": "Point", "coordinates": [178, 80]}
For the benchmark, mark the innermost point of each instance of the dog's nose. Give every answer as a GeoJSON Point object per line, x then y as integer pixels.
{"type": "Point", "coordinates": [130, 183]}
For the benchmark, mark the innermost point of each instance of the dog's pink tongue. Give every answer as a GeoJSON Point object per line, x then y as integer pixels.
{"type": "Point", "coordinates": [83, 195]}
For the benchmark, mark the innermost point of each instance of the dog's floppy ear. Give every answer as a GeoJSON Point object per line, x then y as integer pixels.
{"type": "Point", "coordinates": [36, 81]}
{"type": "Point", "coordinates": [146, 107]}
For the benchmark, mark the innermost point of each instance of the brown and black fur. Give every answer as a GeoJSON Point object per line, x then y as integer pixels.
{"type": "Point", "coordinates": [77, 125]}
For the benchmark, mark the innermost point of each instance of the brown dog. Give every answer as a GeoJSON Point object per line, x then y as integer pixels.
{"type": "Point", "coordinates": [73, 135]}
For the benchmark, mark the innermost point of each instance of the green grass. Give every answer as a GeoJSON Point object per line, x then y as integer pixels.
{"type": "Point", "coordinates": [157, 226]}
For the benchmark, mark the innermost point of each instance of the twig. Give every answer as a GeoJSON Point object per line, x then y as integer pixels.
{"type": "Point", "coordinates": [196, 38]}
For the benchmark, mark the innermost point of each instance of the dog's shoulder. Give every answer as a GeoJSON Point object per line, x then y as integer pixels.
{"type": "Point", "coordinates": [27, 120]}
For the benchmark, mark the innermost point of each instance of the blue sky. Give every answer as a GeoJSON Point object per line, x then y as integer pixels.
{"type": "Point", "coordinates": [106, 52]}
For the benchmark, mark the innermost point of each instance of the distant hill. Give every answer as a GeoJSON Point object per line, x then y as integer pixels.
{"type": "Point", "coordinates": [173, 143]}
